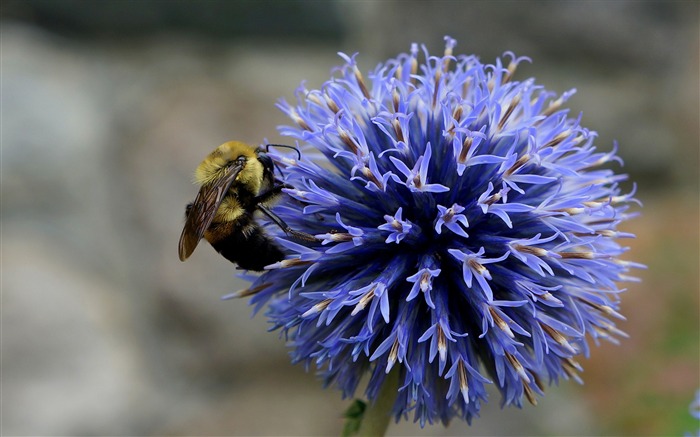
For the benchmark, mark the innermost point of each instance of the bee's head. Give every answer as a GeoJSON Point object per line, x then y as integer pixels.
{"type": "Point", "coordinates": [227, 155]}
{"type": "Point", "coordinates": [269, 164]}
{"type": "Point", "coordinates": [268, 168]}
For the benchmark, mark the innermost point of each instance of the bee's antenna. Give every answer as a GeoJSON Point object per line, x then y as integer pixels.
{"type": "Point", "coordinates": [267, 148]}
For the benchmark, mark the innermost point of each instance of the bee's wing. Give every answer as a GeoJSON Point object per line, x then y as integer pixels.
{"type": "Point", "coordinates": [204, 209]}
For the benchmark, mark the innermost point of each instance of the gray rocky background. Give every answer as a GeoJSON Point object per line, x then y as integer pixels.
{"type": "Point", "coordinates": [107, 107]}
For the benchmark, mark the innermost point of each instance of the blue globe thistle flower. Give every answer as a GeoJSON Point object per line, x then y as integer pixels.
{"type": "Point", "coordinates": [467, 234]}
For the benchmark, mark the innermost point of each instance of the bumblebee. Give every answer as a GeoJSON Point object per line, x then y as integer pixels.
{"type": "Point", "coordinates": [236, 180]}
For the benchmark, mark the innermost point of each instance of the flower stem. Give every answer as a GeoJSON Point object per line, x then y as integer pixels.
{"type": "Point", "coordinates": [378, 414]}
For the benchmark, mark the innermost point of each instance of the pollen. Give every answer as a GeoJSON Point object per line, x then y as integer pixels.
{"type": "Point", "coordinates": [463, 383]}
{"type": "Point", "coordinates": [317, 308]}
{"type": "Point", "coordinates": [393, 355]}
{"type": "Point", "coordinates": [249, 291]}
{"type": "Point", "coordinates": [466, 145]}
{"type": "Point", "coordinates": [537, 251]}
{"type": "Point", "coordinates": [441, 344]}
{"type": "Point", "coordinates": [501, 323]}
{"type": "Point", "coordinates": [367, 298]}
{"type": "Point", "coordinates": [511, 107]}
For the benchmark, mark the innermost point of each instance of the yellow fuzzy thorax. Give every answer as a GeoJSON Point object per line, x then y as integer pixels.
{"type": "Point", "coordinates": [229, 211]}
{"type": "Point", "coordinates": [212, 167]}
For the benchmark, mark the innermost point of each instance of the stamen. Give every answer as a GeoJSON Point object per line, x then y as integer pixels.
{"type": "Point", "coordinates": [474, 264]}
{"type": "Point", "coordinates": [348, 141]}
{"type": "Point", "coordinates": [600, 221]}
{"type": "Point", "coordinates": [556, 140]}
{"type": "Point", "coordinates": [509, 111]}
{"type": "Point", "coordinates": [466, 145]}
{"type": "Point", "coordinates": [414, 65]}
{"type": "Point", "coordinates": [512, 66]}
{"type": "Point", "coordinates": [603, 159]}
{"type": "Point", "coordinates": [447, 58]}
{"type": "Point", "coordinates": [606, 233]}
{"type": "Point", "coordinates": [299, 121]}
{"type": "Point", "coordinates": [425, 283]}
{"type": "Point", "coordinates": [331, 103]}
{"type": "Point", "coordinates": [250, 291]}
{"type": "Point", "coordinates": [609, 328]}
{"type": "Point", "coordinates": [361, 83]}
{"type": "Point", "coordinates": [397, 129]}
{"type": "Point", "coordinates": [314, 98]}
{"type": "Point", "coordinates": [367, 298]}
{"type": "Point", "coordinates": [605, 309]}
{"type": "Point", "coordinates": [442, 344]}
{"type": "Point", "coordinates": [393, 355]}
{"type": "Point", "coordinates": [493, 198]}
{"type": "Point", "coordinates": [519, 369]}
{"type": "Point", "coordinates": [571, 368]}
{"type": "Point", "coordinates": [529, 394]}
{"type": "Point", "coordinates": [553, 107]}
{"type": "Point", "coordinates": [537, 251]}
{"type": "Point", "coordinates": [417, 182]}
{"type": "Point", "coordinates": [501, 323]}
{"type": "Point", "coordinates": [577, 255]}
{"type": "Point", "coordinates": [463, 383]}
{"type": "Point", "coordinates": [339, 237]}
{"type": "Point", "coordinates": [285, 263]}
{"type": "Point", "coordinates": [570, 211]}
{"type": "Point", "coordinates": [456, 115]}
{"type": "Point", "coordinates": [573, 364]}
{"type": "Point", "coordinates": [547, 296]}
{"type": "Point", "coordinates": [558, 337]}
{"type": "Point", "coordinates": [519, 163]}
{"type": "Point", "coordinates": [317, 308]}
{"type": "Point", "coordinates": [288, 162]}
{"type": "Point", "coordinates": [593, 203]}
{"type": "Point", "coordinates": [369, 175]}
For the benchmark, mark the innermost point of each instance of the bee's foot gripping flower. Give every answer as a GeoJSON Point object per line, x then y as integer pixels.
{"type": "Point", "coordinates": [467, 234]}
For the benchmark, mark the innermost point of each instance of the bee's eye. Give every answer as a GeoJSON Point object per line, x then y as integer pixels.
{"type": "Point", "coordinates": [240, 161]}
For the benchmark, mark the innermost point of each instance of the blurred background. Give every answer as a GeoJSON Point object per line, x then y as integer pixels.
{"type": "Point", "coordinates": [107, 108]}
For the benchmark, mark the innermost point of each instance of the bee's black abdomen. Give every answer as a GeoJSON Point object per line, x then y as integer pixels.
{"type": "Point", "coordinates": [248, 246]}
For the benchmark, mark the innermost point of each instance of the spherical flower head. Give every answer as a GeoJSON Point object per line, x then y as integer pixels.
{"type": "Point", "coordinates": [466, 234]}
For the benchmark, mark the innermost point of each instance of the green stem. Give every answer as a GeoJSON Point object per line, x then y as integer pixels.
{"type": "Point", "coordinates": [375, 420]}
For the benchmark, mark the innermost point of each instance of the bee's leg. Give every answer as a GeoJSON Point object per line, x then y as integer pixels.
{"type": "Point", "coordinates": [284, 226]}
{"type": "Point", "coordinates": [275, 191]}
